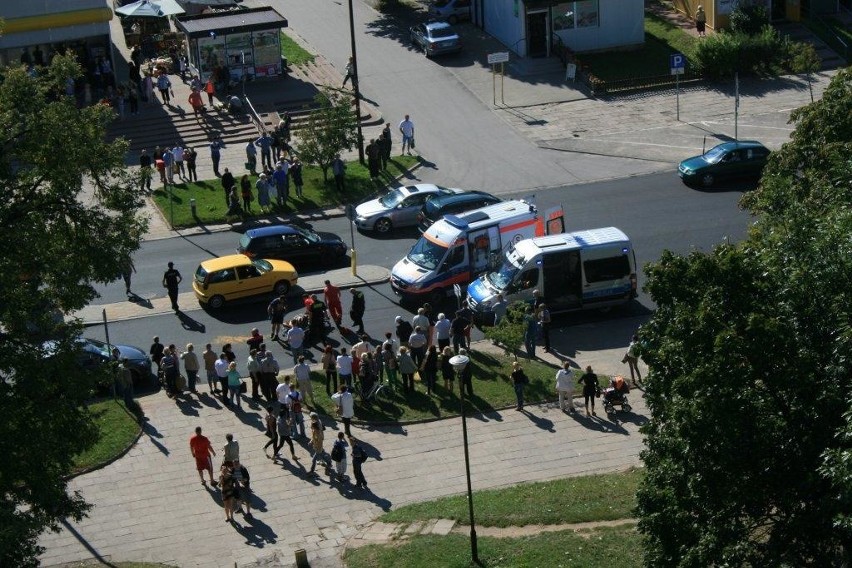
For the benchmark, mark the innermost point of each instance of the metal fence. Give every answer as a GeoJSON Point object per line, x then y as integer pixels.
{"type": "Point", "coordinates": [598, 86]}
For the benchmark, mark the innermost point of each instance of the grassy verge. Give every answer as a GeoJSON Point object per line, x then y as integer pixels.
{"type": "Point", "coordinates": [492, 389]}
{"type": "Point", "coordinates": [606, 547]}
{"type": "Point", "coordinates": [605, 497]}
{"type": "Point", "coordinates": [117, 427]}
{"type": "Point", "coordinates": [295, 53]}
{"type": "Point", "coordinates": [661, 40]}
{"type": "Point", "coordinates": [318, 193]}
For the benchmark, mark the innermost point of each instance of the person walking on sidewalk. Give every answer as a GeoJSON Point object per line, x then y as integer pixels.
{"type": "Point", "coordinates": [317, 439]}
{"type": "Point", "coordinates": [285, 424]}
{"type": "Point", "coordinates": [350, 73]}
{"type": "Point", "coordinates": [203, 452]}
{"type": "Point", "coordinates": [632, 359]}
{"type": "Point", "coordinates": [359, 456]}
{"type": "Point", "coordinates": [270, 424]}
{"type": "Point", "coordinates": [345, 407]}
{"type": "Point", "coordinates": [210, 359]}
{"type": "Point", "coordinates": [164, 85]}
{"type": "Point", "coordinates": [329, 366]}
{"type": "Point", "coordinates": [146, 173]}
{"type": "Point", "coordinates": [338, 455]}
{"type": "Point", "coordinates": [565, 387]}
{"type": "Point", "coordinates": [544, 324]}
{"type": "Point", "coordinates": [215, 155]}
{"type": "Point", "coordinates": [700, 21]}
{"type": "Point", "coordinates": [519, 381]}
{"type": "Point", "coordinates": [231, 450]}
{"type": "Point", "coordinates": [332, 300]}
{"type": "Point", "coordinates": [171, 280]}
{"type": "Point", "coordinates": [251, 157]}
{"type": "Point", "coordinates": [356, 312]}
{"type": "Point", "coordinates": [338, 168]}
{"type": "Point", "coordinates": [406, 127]}
{"type": "Point", "coordinates": [190, 365]}
{"type": "Point", "coordinates": [190, 156]}
{"type": "Point", "coordinates": [590, 388]}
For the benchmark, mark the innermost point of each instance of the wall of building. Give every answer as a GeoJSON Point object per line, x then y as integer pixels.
{"type": "Point", "coordinates": [502, 23]}
{"type": "Point", "coordinates": [620, 24]}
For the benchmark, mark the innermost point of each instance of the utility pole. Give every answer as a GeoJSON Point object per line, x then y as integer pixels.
{"type": "Point", "coordinates": [355, 86]}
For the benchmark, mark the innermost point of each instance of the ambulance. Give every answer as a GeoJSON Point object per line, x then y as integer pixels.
{"type": "Point", "coordinates": [456, 249]}
{"type": "Point", "coordinates": [574, 271]}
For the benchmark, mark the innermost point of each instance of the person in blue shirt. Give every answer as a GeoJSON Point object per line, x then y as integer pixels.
{"type": "Point", "coordinates": [215, 154]}
{"type": "Point", "coordinates": [251, 157]}
{"type": "Point", "coordinates": [265, 144]}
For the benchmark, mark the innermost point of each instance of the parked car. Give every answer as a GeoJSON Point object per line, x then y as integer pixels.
{"type": "Point", "coordinates": [435, 38]}
{"type": "Point", "coordinates": [94, 353]}
{"type": "Point", "coordinates": [227, 278]}
{"type": "Point", "coordinates": [397, 208]}
{"type": "Point", "coordinates": [452, 11]}
{"type": "Point", "coordinates": [728, 160]}
{"type": "Point", "coordinates": [296, 245]}
{"type": "Point", "coordinates": [441, 205]}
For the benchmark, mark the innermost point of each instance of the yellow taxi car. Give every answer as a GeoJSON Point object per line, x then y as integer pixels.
{"type": "Point", "coordinates": [227, 278]}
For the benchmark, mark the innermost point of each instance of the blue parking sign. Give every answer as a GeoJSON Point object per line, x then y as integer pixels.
{"type": "Point", "coordinates": [677, 62]}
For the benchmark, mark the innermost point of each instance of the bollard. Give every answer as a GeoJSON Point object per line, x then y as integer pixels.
{"type": "Point", "coordinates": [302, 558]}
{"type": "Point", "coordinates": [354, 262]}
{"type": "Point", "coordinates": [192, 207]}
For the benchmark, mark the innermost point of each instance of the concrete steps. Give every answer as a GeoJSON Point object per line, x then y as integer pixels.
{"type": "Point", "coordinates": [799, 32]}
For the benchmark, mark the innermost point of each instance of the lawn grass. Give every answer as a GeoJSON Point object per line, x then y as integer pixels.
{"type": "Point", "coordinates": [117, 427]}
{"type": "Point", "coordinates": [588, 498]}
{"type": "Point", "coordinates": [661, 40]}
{"type": "Point", "coordinates": [295, 53]}
{"type": "Point", "coordinates": [318, 193]}
{"type": "Point", "coordinates": [604, 547]}
{"type": "Point", "coordinates": [492, 389]}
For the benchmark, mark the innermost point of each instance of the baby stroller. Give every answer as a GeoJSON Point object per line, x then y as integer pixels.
{"type": "Point", "coordinates": [616, 396]}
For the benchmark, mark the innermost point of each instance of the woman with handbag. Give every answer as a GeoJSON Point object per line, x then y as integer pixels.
{"type": "Point", "coordinates": [235, 384]}
{"type": "Point", "coordinates": [270, 423]}
{"type": "Point", "coordinates": [590, 388]}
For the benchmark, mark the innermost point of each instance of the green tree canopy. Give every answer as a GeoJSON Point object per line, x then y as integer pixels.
{"type": "Point", "coordinates": [70, 218]}
{"type": "Point", "coordinates": [329, 129]}
{"type": "Point", "coordinates": [750, 357]}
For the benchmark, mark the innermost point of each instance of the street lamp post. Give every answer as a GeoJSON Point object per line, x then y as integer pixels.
{"type": "Point", "coordinates": [355, 85]}
{"type": "Point", "coordinates": [459, 362]}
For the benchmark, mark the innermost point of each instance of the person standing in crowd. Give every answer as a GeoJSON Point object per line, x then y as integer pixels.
{"type": "Point", "coordinates": [565, 387]}
{"type": "Point", "coordinates": [466, 378]}
{"type": "Point", "coordinates": [302, 372]}
{"type": "Point", "coordinates": [329, 365]}
{"type": "Point", "coordinates": [359, 456]}
{"type": "Point", "coordinates": [177, 152]}
{"type": "Point", "coordinates": [270, 424]}
{"type": "Point", "coordinates": [317, 314]}
{"type": "Point", "coordinates": [459, 329]}
{"type": "Point", "coordinates": [447, 370]}
{"type": "Point", "coordinates": [632, 359]}
{"type": "Point", "coordinates": [164, 85]}
{"type": "Point", "coordinates": [530, 331]}
{"type": "Point", "coordinates": [429, 369]}
{"type": "Point", "coordinates": [234, 384]}
{"type": "Point", "coordinates": [276, 310]}
{"type": "Point", "coordinates": [171, 280]}
{"type": "Point", "coordinates": [264, 142]}
{"type": "Point", "coordinates": [190, 365]}
{"type": "Point", "coordinates": [190, 156]}
{"type": "Point", "coordinates": [285, 427]}
{"type": "Point", "coordinates": [296, 175]}
{"type": "Point", "coordinates": [145, 172]}
{"type": "Point", "coordinates": [420, 320]}
{"type": "Point", "coordinates": [169, 165]}
{"type": "Point", "coordinates": [374, 157]}
{"type": "Point", "coordinates": [215, 154]}
{"type": "Point", "coordinates": [255, 339]}
{"type": "Point", "coordinates": [544, 324]}
{"type": "Point", "coordinates": [406, 127]}
{"type": "Point", "coordinates": [222, 375]}
{"type": "Point", "coordinates": [251, 157]}
{"type": "Point", "coordinates": [170, 371]}
{"type": "Point", "coordinates": [356, 312]}
{"type": "Point", "coordinates": [332, 299]}
{"type": "Point", "coordinates": [210, 359]}
{"type": "Point", "coordinates": [338, 455]}
{"type": "Point", "coordinates": [442, 331]}
{"type": "Point", "coordinates": [385, 145]}
{"type": "Point", "coordinates": [407, 368]}
{"type": "Point", "coordinates": [403, 331]}
{"type": "Point", "coordinates": [156, 352]}
{"type": "Point", "coordinates": [253, 368]}
{"type": "Point", "coordinates": [296, 341]}
{"type": "Point", "coordinates": [268, 376]}
{"type": "Point", "coordinates": [281, 180]}
{"type": "Point", "coordinates": [294, 401]}
{"type": "Point", "coordinates": [231, 451]}
{"type": "Point", "coordinates": [230, 491]}
{"type": "Point", "coordinates": [228, 184]}
{"type": "Point", "coordinates": [338, 168]}
{"type": "Point", "coordinates": [317, 440]}
{"type": "Point", "coordinates": [590, 388]}
{"type": "Point", "coordinates": [262, 186]}
{"type": "Point", "coordinates": [390, 364]}
{"type": "Point", "coordinates": [519, 381]}
{"type": "Point", "coordinates": [202, 450]}
{"type": "Point", "coordinates": [344, 367]}
{"type": "Point", "coordinates": [417, 345]}
{"type": "Point", "coordinates": [345, 408]}
{"type": "Point", "coordinates": [499, 309]}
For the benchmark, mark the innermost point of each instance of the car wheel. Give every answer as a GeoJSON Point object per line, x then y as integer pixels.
{"type": "Point", "coordinates": [707, 180]}
{"type": "Point", "coordinates": [281, 288]}
{"type": "Point", "coordinates": [383, 225]}
{"type": "Point", "coordinates": [216, 302]}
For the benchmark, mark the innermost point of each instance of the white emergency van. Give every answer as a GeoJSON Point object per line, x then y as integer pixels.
{"type": "Point", "coordinates": [572, 271]}
{"type": "Point", "coordinates": [456, 249]}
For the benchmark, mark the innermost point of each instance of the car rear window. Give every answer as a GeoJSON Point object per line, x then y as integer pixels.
{"type": "Point", "coordinates": [442, 33]}
{"type": "Point", "coordinates": [245, 241]}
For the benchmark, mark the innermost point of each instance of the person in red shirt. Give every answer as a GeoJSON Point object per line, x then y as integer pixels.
{"type": "Point", "coordinates": [202, 451]}
{"type": "Point", "coordinates": [196, 102]}
{"type": "Point", "coordinates": [332, 300]}
{"type": "Point", "coordinates": [308, 301]}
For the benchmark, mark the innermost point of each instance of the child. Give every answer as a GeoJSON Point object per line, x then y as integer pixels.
{"type": "Point", "coordinates": [338, 455]}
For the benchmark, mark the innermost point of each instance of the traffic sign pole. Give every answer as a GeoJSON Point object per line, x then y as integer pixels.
{"type": "Point", "coordinates": [677, 62]}
{"type": "Point", "coordinates": [500, 57]}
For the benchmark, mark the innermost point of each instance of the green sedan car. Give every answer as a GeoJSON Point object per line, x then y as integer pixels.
{"type": "Point", "coordinates": [729, 160]}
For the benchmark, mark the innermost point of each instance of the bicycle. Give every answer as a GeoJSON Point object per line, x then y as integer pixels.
{"type": "Point", "coordinates": [379, 390]}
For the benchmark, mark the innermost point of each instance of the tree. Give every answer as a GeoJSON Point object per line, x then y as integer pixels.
{"type": "Point", "coordinates": [69, 219]}
{"type": "Point", "coordinates": [510, 331]}
{"type": "Point", "coordinates": [750, 357]}
{"type": "Point", "coordinates": [329, 129]}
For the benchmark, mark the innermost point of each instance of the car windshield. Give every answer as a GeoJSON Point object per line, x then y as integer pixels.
{"type": "Point", "coordinates": [392, 198]}
{"type": "Point", "coordinates": [201, 274]}
{"type": "Point", "coordinates": [504, 276]}
{"type": "Point", "coordinates": [95, 346]}
{"type": "Point", "coordinates": [439, 33]}
{"type": "Point", "coordinates": [245, 241]}
{"type": "Point", "coordinates": [263, 266]}
{"type": "Point", "coordinates": [426, 253]}
{"type": "Point", "coordinates": [308, 234]}
{"type": "Point", "coordinates": [715, 154]}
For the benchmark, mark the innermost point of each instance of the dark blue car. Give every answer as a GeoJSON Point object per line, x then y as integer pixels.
{"type": "Point", "coordinates": [296, 245]}
{"type": "Point", "coordinates": [729, 160]}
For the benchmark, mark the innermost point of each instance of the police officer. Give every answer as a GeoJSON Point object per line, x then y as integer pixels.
{"type": "Point", "coordinates": [171, 279]}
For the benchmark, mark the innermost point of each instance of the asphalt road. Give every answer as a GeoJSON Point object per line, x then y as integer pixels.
{"type": "Point", "coordinates": [656, 211]}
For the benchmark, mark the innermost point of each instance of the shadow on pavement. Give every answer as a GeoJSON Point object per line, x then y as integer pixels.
{"type": "Point", "coordinates": [85, 543]}
{"type": "Point", "coordinates": [256, 532]}
{"type": "Point", "coordinates": [153, 434]}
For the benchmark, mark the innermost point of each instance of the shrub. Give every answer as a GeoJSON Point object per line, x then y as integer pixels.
{"type": "Point", "coordinates": [722, 54]}
{"type": "Point", "coordinates": [749, 18]}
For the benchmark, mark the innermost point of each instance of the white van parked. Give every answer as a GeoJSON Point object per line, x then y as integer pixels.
{"type": "Point", "coordinates": [572, 271]}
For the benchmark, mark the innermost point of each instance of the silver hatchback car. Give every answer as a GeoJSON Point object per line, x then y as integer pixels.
{"type": "Point", "coordinates": [398, 207]}
{"type": "Point", "coordinates": [435, 38]}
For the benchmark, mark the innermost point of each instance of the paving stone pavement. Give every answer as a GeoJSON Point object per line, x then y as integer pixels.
{"type": "Point", "coordinates": [149, 505]}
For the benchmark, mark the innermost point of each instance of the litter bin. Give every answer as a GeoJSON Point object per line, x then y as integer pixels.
{"type": "Point", "coordinates": [283, 66]}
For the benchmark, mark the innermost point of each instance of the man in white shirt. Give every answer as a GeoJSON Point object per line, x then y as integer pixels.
{"type": "Point", "coordinates": [296, 341]}
{"type": "Point", "coordinates": [417, 343]}
{"type": "Point", "coordinates": [302, 372]}
{"type": "Point", "coordinates": [420, 320]}
{"type": "Point", "coordinates": [389, 340]}
{"type": "Point", "coordinates": [177, 152]}
{"type": "Point", "coordinates": [346, 407]}
{"type": "Point", "coordinates": [407, 129]}
{"type": "Point", "coordinates": [344, 368]}
{"type": "Point", "coordinates": [442, 332]}
{"type": "Point", "coordinates": [565, 387]}
{"type": "Point", "coordinates": [221, 367]}
{"type": "Point", "coordinates": [361, 347]}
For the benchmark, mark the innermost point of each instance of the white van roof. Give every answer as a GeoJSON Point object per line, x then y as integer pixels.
{"type": "Point", "coordinates": [488, 215]}
{"type": "Point", "coordinates": [575, 240]}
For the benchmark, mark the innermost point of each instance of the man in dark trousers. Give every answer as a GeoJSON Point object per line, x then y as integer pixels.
{"type": "Point", "coordinates": [385, 145]}
{"type": "Point", "coordinates": [317, 327]}
{"type": "Point", "coordinates": [145, 171]}
{"type": "Point", "coordinates": [374, 157]}
{"type": "Point", "coordinates": [403, 330]}
{"type": "Point", "coordinates": [171, 279]}
{"type": "Point", "coordinates": [356, 312]}
{"type": "Point", "coordinates": [228, 184]}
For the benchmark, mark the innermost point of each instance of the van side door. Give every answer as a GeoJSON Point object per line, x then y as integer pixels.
{"type": "Point", "coordinates": [606, 272]}
{"type": "Point", "coordinates": [563, 280]}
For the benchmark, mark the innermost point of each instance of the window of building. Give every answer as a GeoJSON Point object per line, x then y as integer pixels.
{"type": "Point", "coordinates": [574, 15]}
